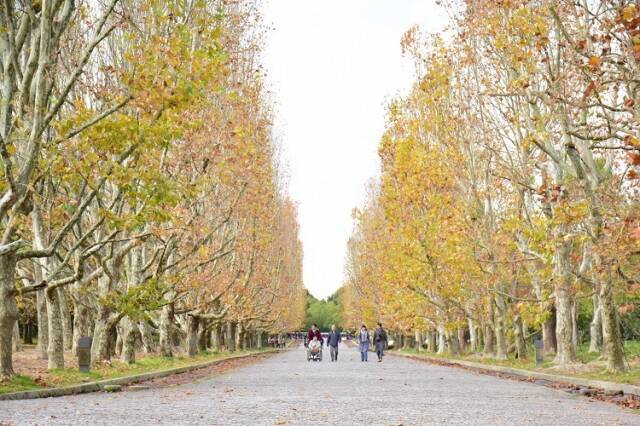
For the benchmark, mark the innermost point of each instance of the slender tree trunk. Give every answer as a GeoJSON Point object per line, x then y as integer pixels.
{"type": "Point", "coordinates": [462, 339]}
{"type": "Point", "coordinates": [418, 339]}
{"type": "Point", "coordinates": [488, 349]}
{"type": "Point", "coordinates": [192, 335]}
{"type": "Point", "coordinates": [431, 341]}
{"type": "Point", "coordinates": [574, 322]}
{"type": "Point", "coordinates": [595, 328]}
{"type": "Point", "coordinates": [518, 335]}
{"type": "Point", "coordinates": [8, 314]}
{"type": "Point", "coordinates": [566, 353]}
{"type": "Point", "coordinates": [55, 347]}
{"type": "Point", "coordinates": [473, 337]}
{"type": "Point", "coordinates": [17, 344]}
{"type": "Point", "coordinates": [442, 343]}
{"type": "Point", "coordinates": [549, 332]}
{"type": "Point", "coordinates": [80, 324]}
{"type": "Point", "coordinates": [43, 329]}
{"type": "Point", "coordinates": [166, 318]}
{"type": "Point", "coordinates": [259, 339]}
{"type": "Point", "coordinates": [230, 338]}
{"type": "Point", "coordinates": [215, 338]}
{"type": "Point", "coordinates": [28, 333]}
{"type": "Point", "coordinates": [501, 338]}
{"type": "Point", "coordinates": [67, 327]}
{"type": "Point", "coordinates": [452, 343]}
{"type": "Point", "coordinates": [203, 336]}
{"type": "Point", "coordinates": [613, 348]}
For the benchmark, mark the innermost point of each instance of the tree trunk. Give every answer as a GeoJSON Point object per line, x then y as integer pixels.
{"type": "Point", "coordinates": [215, 338]}
{"type": "Point", "coordinates": [574, 322]}
{"type": "Point", "coordinates": [441, 339]}
{"type": "Point", "coordinates": [16, 342]}
{"type": "Point", "coordinates": [65, 314]}
{"type": "Point", "coordinates": [613, 349]}
{"type": "Point", "coordinates": [166, 318]}
{"type": "Point", "coordinates": [549, 341]}
{"type": "Point", "coordinates": [43, 329]}
{"type": "Point", "coordinates": [192, 335]}
{"type": "Point", "coordinates": [80, 323]}
{"type": "Point", "coordinates": [230, 338]}
{"type": "Point", "coordinates": [564, 325]}
{"type": "Point", "coordinates": [418, 338]}
{"type": "Point", "coordinates": [488, 349]}
{"type": "Point", "coordinates": [129, 337]}
{"type": "Point", "coordinates": [501, 338]}
{"type": "Point", "coordinates": [203, 336]}
{"type": "Point", "coordinates": [8, 314]}
{"type": "Point", "coordinates": [595, 328]}
{"type": "Point", "coordinates": [473, 337]}
{"type": "Point", "coordinates": [146, 335]}
{"type": "Point", "coordinates": [101, 344]}
{"type": "Point", "coordinates": [518, 335]}
{"type": "Point", "coordinates": [28, 333]}
{"type": "Point", "coordinates": [452, 343]}
{"type": "Point", "coordinates": [566, 351]}
{"type": "Point", "coordinates": [462, 339]}
{"type": "Point", "coordinates": [259, 339]}
{"type": "Point", "coordinates": [55, 347]}
{"type": "Point", "coordinates": [431, 341]}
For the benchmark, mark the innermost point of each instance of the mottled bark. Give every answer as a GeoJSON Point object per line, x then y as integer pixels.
{"type": "Point", "coordinates": [518, 336]}
{"type": "Point", "coordinates": [566, 351]}
{"type": "Point", "coordinates": [595, 328]}
{"type": "Point", "coordinates": [146, 335]}
{"type": "Point", "coordinates": [101, 344]}
{"type": "Point", "coordinates": [16, 342]}
{"type": "Point", "coordinates": [613, 349]}
{"type": "Point", "coordinates": [431, 341]}
{"type": "Point", "coordinates": [43, 329]}
{"type": "Point", "coordinates": [55, 347]}
{"type": "Point", "coordinates": [488, 349]}
{"type": "Point", "coordinates": [80, 323]}
{"type": "Point", "coordinates": [452, 343]}
{"type": "Point", "coordinates": [473, 336]}
{"type": "Point", "coordinates": [418, 339]}
{"type": "Point", "coordinates": [8, 314]}
{"type": "Point", "coordinates": [500, 332]}
{"type": "Point", "coordinates": [230, 338]}
{"type": "Point", "coordinates": [549, 341]}
{"type": "Point", "coordinates": [166, 318]}
{"type": "Point", "coordinates": [441, 339]}
{"type": "Point", "coordinates": [462, 339]}
{"type": "Point", "coordinates": [215, 338]}
{"type": "Point", "coordinates": [130, 334]}
{"type": "Point", "coordinates": [192, 335]}
{"type": "Point", "coordinates": [65, 314]}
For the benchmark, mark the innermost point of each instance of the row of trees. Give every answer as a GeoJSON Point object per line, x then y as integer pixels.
{"type": "Point", "coordinates": [141, 201]}
{"type": "Point", "coordinates": [508, 199]}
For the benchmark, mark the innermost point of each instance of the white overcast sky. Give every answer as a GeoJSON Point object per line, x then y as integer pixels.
{"type": "Point", "coordinates": [333, 65]}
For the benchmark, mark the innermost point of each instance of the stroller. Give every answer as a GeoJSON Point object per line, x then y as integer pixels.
{"type": "Point", "coordinates": [314, 351]}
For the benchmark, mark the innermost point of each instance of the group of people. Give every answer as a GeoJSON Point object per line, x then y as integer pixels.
{"type": "Point", "coordinates": [380, 341]}
{"type": "Point", "coordinates": [379, 338]}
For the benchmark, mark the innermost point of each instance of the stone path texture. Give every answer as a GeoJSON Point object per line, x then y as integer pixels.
{"type": "Point", "coordinates": [285, 389]}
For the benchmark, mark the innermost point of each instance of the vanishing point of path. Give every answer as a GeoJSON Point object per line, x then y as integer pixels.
{"type": "Point", "coordinates": [286, 389]}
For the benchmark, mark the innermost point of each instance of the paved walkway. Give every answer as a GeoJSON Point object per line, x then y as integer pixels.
{"type": "Point", "coordinates": [286, 389]}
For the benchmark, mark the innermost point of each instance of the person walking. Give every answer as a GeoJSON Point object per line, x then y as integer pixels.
{"type": "Point", "coordinates": [380, 341]}
{"type": "Point", "coordinates": [333, 340]}
{"type": "Point", "coordinates": [363, 343]}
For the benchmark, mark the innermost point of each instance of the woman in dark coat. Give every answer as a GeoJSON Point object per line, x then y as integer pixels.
{"type": "Point", "coordinates": [380, 341]}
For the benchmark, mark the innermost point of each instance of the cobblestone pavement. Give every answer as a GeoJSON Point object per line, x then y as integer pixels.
{"type": "Point", "coordinates": [286, 389]}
